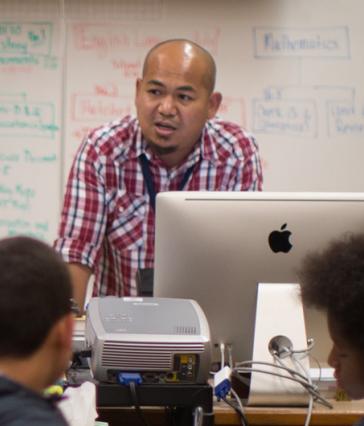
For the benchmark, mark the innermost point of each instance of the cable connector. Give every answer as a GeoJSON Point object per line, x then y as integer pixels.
{"type": "Point", "coordinates": [126, 378]}
{"type": "Point", "coordinates": [222, 382]}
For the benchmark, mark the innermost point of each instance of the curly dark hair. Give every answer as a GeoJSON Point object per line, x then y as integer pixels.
{"type": "Point", "coordinates": [333, 281]}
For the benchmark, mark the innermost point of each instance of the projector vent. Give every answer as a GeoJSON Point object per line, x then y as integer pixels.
{"type": "Point", "coordinates": [185, 329]}
{"type": "Point", "coordinates": [145, 356]}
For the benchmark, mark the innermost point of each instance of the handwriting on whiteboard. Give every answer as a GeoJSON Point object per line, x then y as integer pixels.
{"type": "Point", "coordinates": [26, 44]}
{"type": "Point", "coordinates": [332, 42]}
{"type": "Point", "coordinates": [19, 117]}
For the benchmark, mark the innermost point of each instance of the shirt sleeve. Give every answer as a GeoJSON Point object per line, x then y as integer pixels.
{"type": "Point", "coordinates": [248, 174]}
{"type": "Point", "coordinates": [83, 217]}
{"type": "Point", "coordinates": [252, 175]}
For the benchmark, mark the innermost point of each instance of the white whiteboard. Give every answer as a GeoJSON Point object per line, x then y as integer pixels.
{"type": "Point", "coordinates": [30, 120]}
{"type": "Point", "coordinates": [289, 70]}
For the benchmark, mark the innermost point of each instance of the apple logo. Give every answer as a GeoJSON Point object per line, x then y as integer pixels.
{"type": "Point", "coordinates": [279, 240]}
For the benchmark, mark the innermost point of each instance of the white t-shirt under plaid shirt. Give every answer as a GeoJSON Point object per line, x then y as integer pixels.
{"type": "Point", "coordinates": [107, 222]}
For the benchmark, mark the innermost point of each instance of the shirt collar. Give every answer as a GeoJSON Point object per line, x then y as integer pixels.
{"type": "Point", "coordinates": [204, 149]}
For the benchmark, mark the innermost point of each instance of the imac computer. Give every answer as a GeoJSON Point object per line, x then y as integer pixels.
{"type": "Point", "coordinates": [215, 247]}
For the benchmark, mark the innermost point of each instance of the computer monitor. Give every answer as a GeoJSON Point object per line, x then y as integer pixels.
{"type": "Point", "coordinates": [214, 247]}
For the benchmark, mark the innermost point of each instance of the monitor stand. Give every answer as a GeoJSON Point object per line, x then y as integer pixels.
{"type": "Point", "coordinates": [279, 329]}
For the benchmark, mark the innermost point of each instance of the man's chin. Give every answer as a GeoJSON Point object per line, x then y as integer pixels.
{"type": "Point", "coordinates": [162, 150]}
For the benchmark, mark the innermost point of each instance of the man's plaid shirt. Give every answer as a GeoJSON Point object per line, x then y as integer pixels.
{"type": "Point", "coordinates": [107, 222]}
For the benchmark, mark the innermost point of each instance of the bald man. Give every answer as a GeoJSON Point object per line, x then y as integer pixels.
{"type": "Point", "coordinates": [176, 142]}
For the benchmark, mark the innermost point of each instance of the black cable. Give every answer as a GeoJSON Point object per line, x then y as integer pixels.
{"type": "Point", "coordinates": [242, 417]}
{"type": "Point", "coordinates": [170, 415]}
{"type": "Point", "coordinates": [135, 400]}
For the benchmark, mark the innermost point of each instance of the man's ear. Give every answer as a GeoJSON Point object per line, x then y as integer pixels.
{"type": "Point", "coordinates": [138, 85]}
{"type": "Point", "coordinates": [214, 104]}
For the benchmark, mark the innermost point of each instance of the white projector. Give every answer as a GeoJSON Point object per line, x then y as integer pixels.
{"type": "Point", "coordinates": [164, 340]}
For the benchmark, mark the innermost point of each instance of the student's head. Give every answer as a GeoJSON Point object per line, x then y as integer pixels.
{"type": "Point", "coordinates": [35, 310]}
{"type": "Point", "coordinates": [175, 97]}
{"type": "Point", "coordinates": [333, 281]}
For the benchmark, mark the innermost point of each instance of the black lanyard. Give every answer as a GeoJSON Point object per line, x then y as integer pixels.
{"type": "Point", "coordinates": [149, 180]}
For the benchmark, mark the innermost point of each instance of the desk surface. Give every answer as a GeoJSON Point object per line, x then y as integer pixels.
{"type": "Point", "coordinates": [344, 413]}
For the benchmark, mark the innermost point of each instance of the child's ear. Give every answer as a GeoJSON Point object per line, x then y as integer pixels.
{"type": "Point", "coordinates": [63, 331]}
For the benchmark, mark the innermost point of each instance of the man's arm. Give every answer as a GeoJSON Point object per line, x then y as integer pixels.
{"type": "Point", "coordinates": [80, 275]}
{"type": "Point", "coordinates": [82, 229]}
{"type": "Point", "coordinates": [248, 172]}
{"type": "Point", "coordinates": [252, 174]}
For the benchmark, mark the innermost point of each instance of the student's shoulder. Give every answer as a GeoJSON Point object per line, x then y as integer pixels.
{"type": "Point", "coordinates": [20, 407]}
{"type": "Point", "coordinates": [37, 418]}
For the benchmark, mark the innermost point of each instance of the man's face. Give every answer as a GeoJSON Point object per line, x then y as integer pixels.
{"type": "Point", "coordinates": [173, 103]}
{"type": "Point", "coordinates": [347, 362]}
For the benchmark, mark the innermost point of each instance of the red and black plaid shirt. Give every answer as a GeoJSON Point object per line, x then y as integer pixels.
{"type": "Point", "coordinates": [107, 222]}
